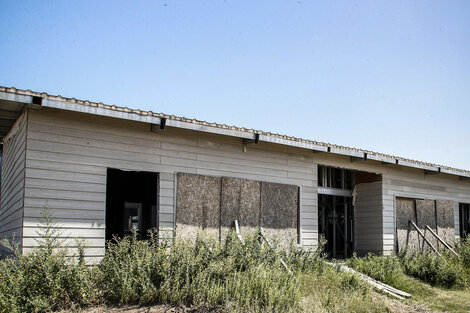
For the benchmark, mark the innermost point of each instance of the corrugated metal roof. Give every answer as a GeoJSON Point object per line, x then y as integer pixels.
{"type": "Point", "coordinates": [332, 147]}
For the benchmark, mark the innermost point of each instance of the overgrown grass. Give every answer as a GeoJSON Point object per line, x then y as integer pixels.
{"type": "Point", "coordinates": [201, 273]}
{"type": "Point", "coordinates": [447, 271]}
{"type": "Point", "coordinates": [206, 273]}
{"type": "Point", "coordinates": [442, 282]}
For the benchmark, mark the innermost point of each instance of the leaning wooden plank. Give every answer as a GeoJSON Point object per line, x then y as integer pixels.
{"type": "Point", "coordinates": [239, 235]}
{"type": "Point", "coordinates": [441, 241]}
{"type": "Point", "coordinates": [422, 235]}
{"type": "Point", "coordinates": [263, 235]}
{"type": "Point", "coordinates": [374, 283]}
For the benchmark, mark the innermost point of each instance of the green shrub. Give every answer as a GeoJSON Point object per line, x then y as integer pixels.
{"type": "Point", "coordinates": [387, 269]}
{"type": "Point", "coordinates": [127, 274]}
{"type": "Point", "coordinates": [202, 273]}
{"type": "Point", "coordinates": [46, 278]}
{"type": "Point", "coordinates": [463, 249]}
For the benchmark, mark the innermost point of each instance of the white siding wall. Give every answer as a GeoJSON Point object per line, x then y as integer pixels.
{"type": "Point", "coordinates": [368, 212]}
{"type": "Point", "coordinates": [13, 171]}
{"type": "Point", "coordinates": [399, 181]}
{"type": "Point", "coordinates": [414, 184]}
{"type": "Point", "coordinates": [68, 154]}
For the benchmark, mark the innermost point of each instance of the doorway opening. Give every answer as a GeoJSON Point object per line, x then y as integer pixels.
{"type": "Point", "coordinates": [131, 203]}
{"type": "Point", "coordinates": [336, 223]}
{"type": "Point", "coordinates": [464, 218]}
{"type": "Point", "coordinates": [336, 210]}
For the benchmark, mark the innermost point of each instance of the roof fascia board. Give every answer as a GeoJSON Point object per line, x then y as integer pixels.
{"type": "Point", "coordinates": [420, 166]}
{"type": "Point", "coordinates": [14, 97]}
{"type": "Point", "coordinates": [381, 158]}
{"type": "Point", "coordinates": [209, 129]}
{"type": "Point", "coordinates": [76, 107]}
{"type": "Point", "coordinates": [348, 152]}
{"type": "Point", "coordinates": [96, 110]}
{"type": "Point", "coordinates": [293, 143]}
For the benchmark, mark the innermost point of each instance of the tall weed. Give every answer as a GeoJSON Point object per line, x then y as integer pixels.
{"type": "Point", "coordinates": [44, 279]}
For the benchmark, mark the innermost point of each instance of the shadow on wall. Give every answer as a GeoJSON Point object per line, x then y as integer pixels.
{"type": "Point", "coordinates": [213, 203]}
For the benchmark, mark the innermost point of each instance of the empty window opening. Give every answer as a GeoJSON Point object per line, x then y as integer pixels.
{"type": "Point", "coordinates": [333, 177]}
{"type": "Point", "coordinates": [131, 203]}
{"type": "Point", "coordinates": [464, 218]}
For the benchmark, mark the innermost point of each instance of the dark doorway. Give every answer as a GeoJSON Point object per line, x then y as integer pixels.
{"type": "Point", "coordinates": [336, 224]}
{"type": "Point", "coordinates": [131, 203]}
{"type": "Point", "coordinates": [464, 218]}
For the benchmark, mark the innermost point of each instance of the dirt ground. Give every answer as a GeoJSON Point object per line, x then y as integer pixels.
{"type": "Point", "coordinates": [395, 306]}
{"type": "Point", "coordinates": [152, 309]}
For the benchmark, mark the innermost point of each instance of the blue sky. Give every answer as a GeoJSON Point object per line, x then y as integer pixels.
{"type": "Point", "coordinates": [388, 76]}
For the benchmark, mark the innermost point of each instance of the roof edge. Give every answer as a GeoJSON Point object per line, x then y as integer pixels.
{"type": "Point", "coordinates": [84, 106]}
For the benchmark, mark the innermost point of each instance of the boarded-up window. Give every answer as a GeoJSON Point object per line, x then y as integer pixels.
{"type": "Point", "coordinates": [445, 220]}
{"type": "Point", "coordinates": [198, 204]}
{"type": "Point", "coordinates": [214, 203]}
{"type": "Point", "coordinates": [437, 214]}
{"type": "Point", "coordinates": [240, 201]}
{"type": "Point", "coordinates": [405, 210]}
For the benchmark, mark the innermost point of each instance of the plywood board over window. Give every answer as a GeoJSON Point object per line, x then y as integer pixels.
{"type": "Point", "coordinates": [426, 216]}
{"type": "Point", "coordinates": [198, 203]}
{"type": "Point", "coordinates": [279, 205]}
{"type": "Point", "coordinates": [240, 201]}
{"type": "Point", "coordinates": [445, 220]}
{"type": "Point", "coordinates": [214, 203]}
{"type": "Point", "coordinates": [405, 211]}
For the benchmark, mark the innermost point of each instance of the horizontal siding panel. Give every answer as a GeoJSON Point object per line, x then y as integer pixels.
{"type": "Point", "coordinates": [55, 204]}
{"type": "Point", "coordinates": [65, 195]}
{"type": "Point", "coordinates": [166, 201]}
{"type": "Point", "coordinates": [89, 139]}
{"type": "Point", "coordinates": [83, 222]}
{"type": "Point", "coordinates": [29, 242]}
{"type": "Point", "coordinates": [224, 167]}
{"type": "Point", "coordinates": [97, 161]}
{"type": "Point", "coordinates": [66, 176]}
{"type": "Point", "coordinates": [93, 152]}
{"type": "Point", "coordinates": [64, 167]}
{"type": "Point", "coordinates": [77, 213]}
{"type": "Point", "coordinates": [244, 162]}
{"type": "Point", "coordinates": [52, 184]}
{"type": "Point", "coordinates": [306, 176]}
{"type": "Point", "coordinates": [68, 232]}
{"type": "Point", "coordinates": [166, 208]}
{"type": "Point", "coordinates": [166, 184]}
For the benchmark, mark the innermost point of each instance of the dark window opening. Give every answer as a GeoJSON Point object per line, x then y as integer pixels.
{"type": "Point", "coordinates": [464, 218]}
{"type": "Point", "coordinates": [131, 203]}
{"type": "Point", "coordinates": [333, 177]}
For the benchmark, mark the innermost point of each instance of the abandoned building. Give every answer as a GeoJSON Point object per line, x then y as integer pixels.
{"type": "Point", "coordinates": [104, 170]}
